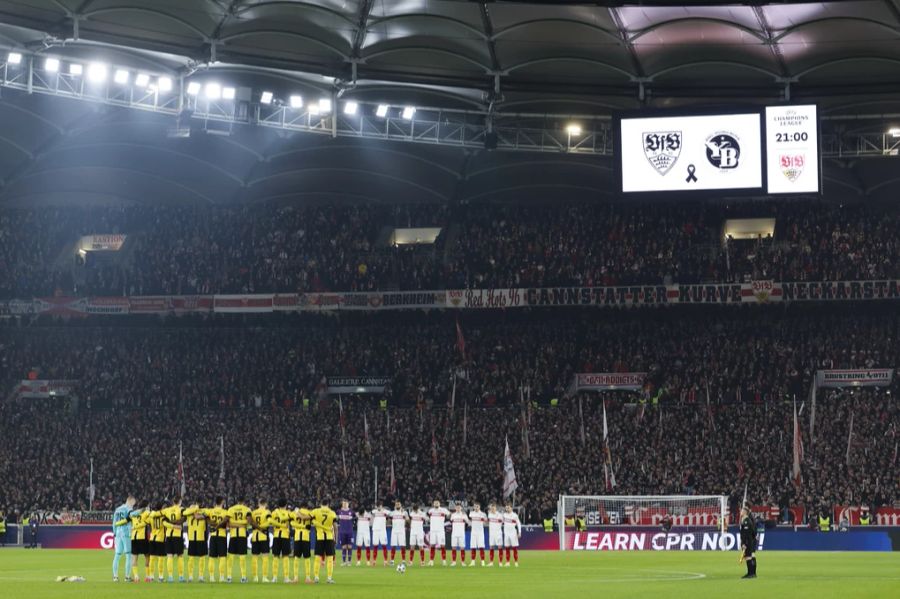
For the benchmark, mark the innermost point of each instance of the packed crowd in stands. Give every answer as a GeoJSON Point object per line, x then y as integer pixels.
{"type": "Point", "coordinates": [187, 250]}
{"type": "Point", "coordinates": [144, 386]}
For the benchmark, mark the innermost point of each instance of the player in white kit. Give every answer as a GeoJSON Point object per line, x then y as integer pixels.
{"type": "Point", "coordinates": [476, 537]}
{"type": "Point", "coordinates": [399, 518]}
{"type": "Point", "coordinates": [512, 530]}
{"type": "Point", "coordinates": [417, 533]}
{"type": "Point", "coordinates": [458, 521]}
{"type": "Point", "coordinates": [437, 516]}
{"type": "Point", "coordinates": [364, 536]}
{"type": "Point", "coordinates": [495, 533]}
{"type": "Point", "coordinates": [379, 532]}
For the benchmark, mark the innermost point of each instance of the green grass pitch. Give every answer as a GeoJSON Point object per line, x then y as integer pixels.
{"type": "Point", "coordinates": [27, 574]}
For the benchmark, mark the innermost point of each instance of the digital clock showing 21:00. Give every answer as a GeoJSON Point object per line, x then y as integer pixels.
{"type": "Point", "coordinates": [789, 137]}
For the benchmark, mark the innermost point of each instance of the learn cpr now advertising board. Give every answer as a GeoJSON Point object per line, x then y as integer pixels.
{"type": "Point", "coordinates": [772, 149]}
{"type": "Point", "coordinates": [607, 538]}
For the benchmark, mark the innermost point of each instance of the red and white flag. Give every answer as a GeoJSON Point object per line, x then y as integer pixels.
{"type": "Point", "coordinates": [221, 463]}
{"type": "Point", "coordinates": [798, 450]}
{"type": "Point", "coordinates": [460, 340]}
{"type": "Point", "coordinates": [393, 480]}
{"type": "Point", "coordinates": [509, 473]}
{"type": "Point", "coordinates": [608, 472]}
{"type": "Point", "coordinates": [849, 440]}
{"type": "Point", "coordinates": [366, 430]}
{"type": "Point", "coordinates": [434, 457]}
{"type": "Point", "coordinates": [465, 421]}
{"type": "Point", "coordinates": [180, 472]}
{"type": "Point", "coordinates": [581, 421]}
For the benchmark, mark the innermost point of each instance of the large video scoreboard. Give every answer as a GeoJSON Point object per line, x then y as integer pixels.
{"type": "Point", "coordinates": [772, 150]}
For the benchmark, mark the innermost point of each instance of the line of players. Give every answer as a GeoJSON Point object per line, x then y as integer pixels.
{"type": "Point", "coordinates": [218, 535]}
{"type": "Point", "coordinates": [504, 530]}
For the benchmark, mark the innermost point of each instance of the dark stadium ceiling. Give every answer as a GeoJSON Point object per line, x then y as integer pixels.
{"type": "Point", "coordinates": [514, 57]}
{"type": "Point", "coordinates": [542, 56]}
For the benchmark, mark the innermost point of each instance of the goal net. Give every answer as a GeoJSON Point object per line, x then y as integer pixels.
{"type": "Point", "coordinates": [662, 513]}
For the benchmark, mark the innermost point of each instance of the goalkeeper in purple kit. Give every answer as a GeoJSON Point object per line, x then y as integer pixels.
{"type": "Point", "coordinates": [345, 518]}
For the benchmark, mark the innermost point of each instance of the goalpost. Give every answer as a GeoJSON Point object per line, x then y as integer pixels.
{"type": "Point", "coordinates": [659, 512]}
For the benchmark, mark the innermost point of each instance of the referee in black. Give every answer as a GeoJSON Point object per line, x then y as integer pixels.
{"type": "Point", "coordinates": [748, 542]}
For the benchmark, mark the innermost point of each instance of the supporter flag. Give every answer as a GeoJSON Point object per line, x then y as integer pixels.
{"type": "Point", "coordinates": [221, 462]}
{"type": "Point", "coordinates": [509, 473]}
{"type": "Point", "coordinates": [366, 431]}
{"type": "Point", "coordinates": [341, 418]}
{"type": "Point", "coordinates": [460, 340]}
{"type": "Point", "coordinates": [393, 480]}
{"type": "Point", "coordinates": [798, 450]}
{"type": "Point", "coordinates": [179, 474]}
{"type": "Point", "coordinates": [465, 421]}
{"type": "Point", "coordinates": [434, 457]}
{"type": "Point", "coordinates": [849, 441]}
{"type": "Point", "coordinates": [581, 418]}
{"type": "Point", "coordinates": [608, 472]}
{"type": "Point", "coordinates": [91, 488]}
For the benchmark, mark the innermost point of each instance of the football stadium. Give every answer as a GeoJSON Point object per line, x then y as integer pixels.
{"type": "Point", "coordinates": [449, 298]}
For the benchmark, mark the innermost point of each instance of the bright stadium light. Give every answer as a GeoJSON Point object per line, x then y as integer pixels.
{"type": "Point", "coordinates": [164, 84]}
{"type": "Point", "coordinates": [408, 112]}
{"type": "Point", "coordinates": [51, 65]}
{"type": "Point", "coordinates": [350, 108]}
{"type": "Point", "coordinates": [142, 80]}
{"type": "Point", "coordinates": [324, 105]}
{"type": "Point", "coordinates": [193, 88]}
{"type": "Point", "coordinates": [381, 111]}
{"type": "Point", "coordinates": [296, 102]}
{"type": "Point", "coordinates": [97, 72]}
{"type": "Point", "coordinates": [573, 129]}
{"type": "Point", "coordinates": [894, 131]}
{"type": "Point", "coordinates": [14, 58]}
{"type": "Point", "coordinates": [121, 76]}
{"type": "Point", "coordinates": [76, 69]}
{"type": "Point", "coordinates": [213, 91]}
{"type": "Point", "coordinates": [228, 93]}
{"type": "Point", "coordinates": [313, 109]}
{"type": "Point", "coordinates": [266, 98]}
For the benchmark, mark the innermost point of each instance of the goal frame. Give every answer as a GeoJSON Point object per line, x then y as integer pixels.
{"type": "Point", "coordinates": [561, 507]}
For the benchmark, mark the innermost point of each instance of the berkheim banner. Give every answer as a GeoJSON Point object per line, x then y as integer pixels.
{"type": "Point", "coordinates": [871, 377]}
{"type": "Point", "coordinates": [609, 381]}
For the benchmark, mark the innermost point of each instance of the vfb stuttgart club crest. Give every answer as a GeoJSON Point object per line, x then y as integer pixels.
{"type": "Point", "coordinates": [792, 165]}
{"type": "Point", "coordinates": [662, 149]}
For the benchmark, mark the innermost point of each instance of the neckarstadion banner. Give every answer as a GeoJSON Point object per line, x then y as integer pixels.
{"type": "Point", "coordinates": [755, 292]}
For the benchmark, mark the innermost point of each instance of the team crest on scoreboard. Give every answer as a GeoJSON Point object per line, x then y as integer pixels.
{"type": "Point", "coordinates": [792, 165]}
{"type": "Point", "coordinates": [662, 149]}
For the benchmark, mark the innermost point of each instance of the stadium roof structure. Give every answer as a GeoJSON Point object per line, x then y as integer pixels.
{"type": "Point", "coordinates": [519, 71]}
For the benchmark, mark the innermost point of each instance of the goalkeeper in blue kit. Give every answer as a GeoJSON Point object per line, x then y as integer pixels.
{"type": "Point", "coordinates": [122, 534]}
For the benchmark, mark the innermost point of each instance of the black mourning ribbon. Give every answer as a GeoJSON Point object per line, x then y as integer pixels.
{"type": "Point", "coordinates": [691, 178]}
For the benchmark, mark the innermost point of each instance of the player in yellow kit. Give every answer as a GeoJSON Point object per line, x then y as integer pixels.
{"type": "Point", "coordinates": [139, 542]}
{"type": "Point", "coordinates": [157, 541]}
{"type": "Point", "coordinates": [238, 520]}
{"type": "Point", "coordinates": [281, 540]}
{"type": "Point", "coordinates": [300, 522]}
{"type": "Point", "coordinates": [217, 520]}
{"type": "Point", "coordinates": [323, 519]}
{"type": "Point", "coordinates": [196, 526]}
{"type": "Point", "coordinates": [174, 539]}
{"type": "Point", "coordinates": [259, 543]}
